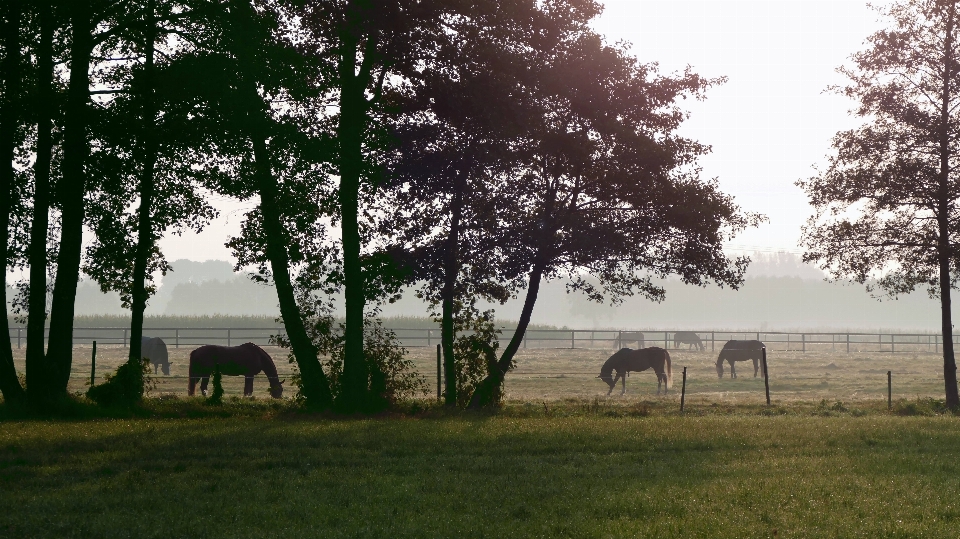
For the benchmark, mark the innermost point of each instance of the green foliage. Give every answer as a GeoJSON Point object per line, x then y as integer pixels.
{"type": "Point", "coordinates": [476, 336]}
{"type": "Point", "coordinates": [124, 388]}
{"type": "Point", "coordinates": [392, 376]}
{"type": "Point", "coordinates": [216, 398]}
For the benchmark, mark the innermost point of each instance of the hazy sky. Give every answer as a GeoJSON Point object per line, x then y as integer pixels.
{"type": "Point", "coordinates": [768, 125]}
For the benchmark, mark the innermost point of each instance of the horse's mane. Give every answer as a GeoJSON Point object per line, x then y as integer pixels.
{"type": "Point", "coordinates": [269, 367]}
{"type": "Point", "coordinates": [611, 363]}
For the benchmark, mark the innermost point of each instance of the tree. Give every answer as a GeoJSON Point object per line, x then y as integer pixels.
{"type": "Point", "coordinates": [603, 189]}
{"type": "Point", "coordinates": [11, 70]}
{"type": "Point", "coordinates": [887, 203]}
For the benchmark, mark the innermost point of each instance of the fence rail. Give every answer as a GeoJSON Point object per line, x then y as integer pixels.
{"type": "Point", "coordinates": [543, 338]}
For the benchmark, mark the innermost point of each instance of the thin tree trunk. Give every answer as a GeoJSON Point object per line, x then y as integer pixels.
{"type": "Point", "coordinates": [37, 302]}
{"type": "Point", "coordinates": [488, 387]}
{"type": "Point", "coordinates": [9, 118]}
{"type": "Point", "coordinates": [148, 158]}
{"type": "Point", "coordinates": [354, 389]}
{"type": "Point", "coordinates": [944, 246]}
{"type": "Point", "coordinates": [451, 271]}
{"type": "Point", "coordinates": [71, 194]}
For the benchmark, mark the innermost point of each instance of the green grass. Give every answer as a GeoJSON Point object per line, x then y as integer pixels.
{"type": "Point", "coordinates": [573, 469]}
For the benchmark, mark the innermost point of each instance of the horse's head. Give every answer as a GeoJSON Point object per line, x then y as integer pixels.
{"type": "Point", "coordinates": [720, 366]}
{"type": "Point", "coordinates": [608, 378]}
{"type": "Point", "coordinates": [165, 368]}
{"type": "Point", "coordinates": [276, 390]}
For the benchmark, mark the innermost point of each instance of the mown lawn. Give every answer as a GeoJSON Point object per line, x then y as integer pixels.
{"type": "Point", "coordinates": [525, 472]}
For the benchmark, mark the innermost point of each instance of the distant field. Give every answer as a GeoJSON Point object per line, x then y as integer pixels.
{"type": "Point", "coordinates": [589, 472]}
{"type": "Point", "coordinates": [558, 374]}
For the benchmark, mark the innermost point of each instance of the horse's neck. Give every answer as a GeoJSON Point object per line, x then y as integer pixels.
{"type": "Point", "coordinates": [269, 367]}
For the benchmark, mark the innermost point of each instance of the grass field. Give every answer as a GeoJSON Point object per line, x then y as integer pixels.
{"type": "Point", "coordinates": [593, 469]}
{"type": "Point", "coordinates": [557, 374]}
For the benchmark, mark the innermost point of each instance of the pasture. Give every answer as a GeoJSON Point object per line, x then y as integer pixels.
{"type": "Point", "coordinates": [583, 470]}
{"type": "Point", "coordinates": [551, 375]}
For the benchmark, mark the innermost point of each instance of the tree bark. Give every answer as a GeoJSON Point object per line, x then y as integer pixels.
{"type": "Point", "coordinates": [352, 122]}
{"type": "Point", "coordinates": [148, 159]}
{"type": "Point", "coordinates": [37, 301]}
{"type": "Point", "coordinates": [945, 247]}
{"type": "Point", "coordinates": [9, 118]}
{"type": "Point", "coordinates": [451, 271]}
{"type": "Point", "coordinates": [71, 190]}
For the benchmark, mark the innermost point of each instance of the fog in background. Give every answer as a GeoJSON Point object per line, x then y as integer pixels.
{"type": "Point", "coordinates": [780, 293]}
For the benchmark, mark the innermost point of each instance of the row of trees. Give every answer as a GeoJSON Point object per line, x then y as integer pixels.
{"type": "Point", "coordinates": [475, 147]}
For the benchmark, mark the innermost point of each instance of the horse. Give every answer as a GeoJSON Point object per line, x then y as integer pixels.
{"type": "Point", "coordinates": [740, 351]}
{"type": "Point", "coordinates": [688, 337]}
{"type": "Point", "coordinates": [624, 337]}
{"type": "Point", "coordinates": [246, 360]}
{"type": "Point", "coordinates": [154, 349]}
{"type": "Point", "coordinates": [627, 360]}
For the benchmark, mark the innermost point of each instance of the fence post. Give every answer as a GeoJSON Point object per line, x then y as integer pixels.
{"type": "Point", "coordinates": [93, 365]}
{"type": "Point", "coordinates": [880, 342]}
{"type": "Point", "coordinates": [803, 337]}
{"type": "Point", "coordinates": [429, 334]}
{"type": "Point", "coordinates": [683, 388]}
{"type": "Point", "coordinates": [936, 344]}
{"type": "Point", "coordinates": [848, 343]}
{"type": "Point", "coordinates": [893, 346]}
{"type": "Point", "coordinates": [666, 341]}
{"type": "Point", "coordinates": [177, 336]}
{"type": "Point", "coordinates": [619, 342]}
{"type": "Point", "coordinates": [228, 337]}
{"type": "Point", "coordinates": [573, 339]}
{"type": "Point", "coordinates": [766, 374]}
{"type": "Point", "coordinates": [124, 338]}
{"type": "Point", "coordinates": [889, 390]}
{"type": "Point", "coordinates": [713, 340]}
{"type": "Point", "coordinates": [439, 374]}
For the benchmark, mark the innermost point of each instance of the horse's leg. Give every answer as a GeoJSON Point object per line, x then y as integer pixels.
{"type": "Point", "coordinates": [192, 386]}
{"type": "Point", "coordinates": [624, 381]}
{"type": "Point", "coordinates": [203, 385]}
{"type": "Point", "coordinates": [733, 369]}
{"type": "Point", "coordinates": [248, 386]}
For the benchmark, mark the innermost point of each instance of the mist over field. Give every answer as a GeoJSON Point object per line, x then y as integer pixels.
{"type": "Point", "coordinates": [780, 293]}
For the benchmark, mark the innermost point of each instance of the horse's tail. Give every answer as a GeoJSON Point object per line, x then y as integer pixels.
{"type": "Point", "coordinates": [669, 369]}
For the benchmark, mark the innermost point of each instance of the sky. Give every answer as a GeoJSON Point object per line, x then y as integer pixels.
{"type": "Point", "coordinates": [769, 124]}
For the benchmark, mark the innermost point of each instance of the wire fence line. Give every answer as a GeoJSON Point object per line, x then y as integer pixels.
{"type": "Point", "coordinates": [178, 337]}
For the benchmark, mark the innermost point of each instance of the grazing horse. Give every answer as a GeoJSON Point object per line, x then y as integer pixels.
{"type": "Point", "coordinates": [246, 360]}
{"type": "Point", "coordinates": [688, 337]}
{"type": "Point", "coordinates": [627, 360]}
{"type": "Point", "coordinates": [154, 349]}
{"type": "Point", "coordinates": [625, 337]}
{"type": "Point", "coordinates": [740, 351]}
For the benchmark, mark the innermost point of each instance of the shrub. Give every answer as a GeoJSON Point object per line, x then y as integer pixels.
{"type": "Point", "coordinates": [125, 387]}
{"type": "Point", "coordinates": [216, 397]}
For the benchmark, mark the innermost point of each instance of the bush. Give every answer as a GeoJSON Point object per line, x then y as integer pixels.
{"type": "Point", "coordinates": [125, 387]}
{"type": "Point", "coordinates": [216, 397]}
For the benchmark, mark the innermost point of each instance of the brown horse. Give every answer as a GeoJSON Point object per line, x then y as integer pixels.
{"type": "Point", "coordinates": [246, 360]}
{"type": "Point", "coordinates": [627, 360]}
{"type": "Point", "coordinates": [154, 349]}
{"type": "Point", "coordinates": [625, 337]}
{"type": "Point", "coordinates": [734, 351]}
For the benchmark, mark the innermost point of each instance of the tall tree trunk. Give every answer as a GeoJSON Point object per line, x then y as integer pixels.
{"type": "Point", "coordinates": [9, 118]}
{"type": "Point", "coordinates": [315, 385]}
{"type": "Point", "coordinates": [71, 192]}
{"type": "Point", "coordinates": [148, 159]}
{"type": "Point", "coordinates": [353, 108]}
{"type": "Point", "coordinates": [945, 245]}
{"type": "Point", "coordinates": [37, 301]}
{"type": "Point", "coordinates": [451, 268]}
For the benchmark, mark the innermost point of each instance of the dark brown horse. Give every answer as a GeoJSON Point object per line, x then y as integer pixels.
{"type": "Point", "coordinates": [246, 360]}
{"type": "Point", "coordinates": [734, 351]}
{"type": "Point", "coordinates": [688, 337]}
{"type": "Point", "coordinates": [628, 360]}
